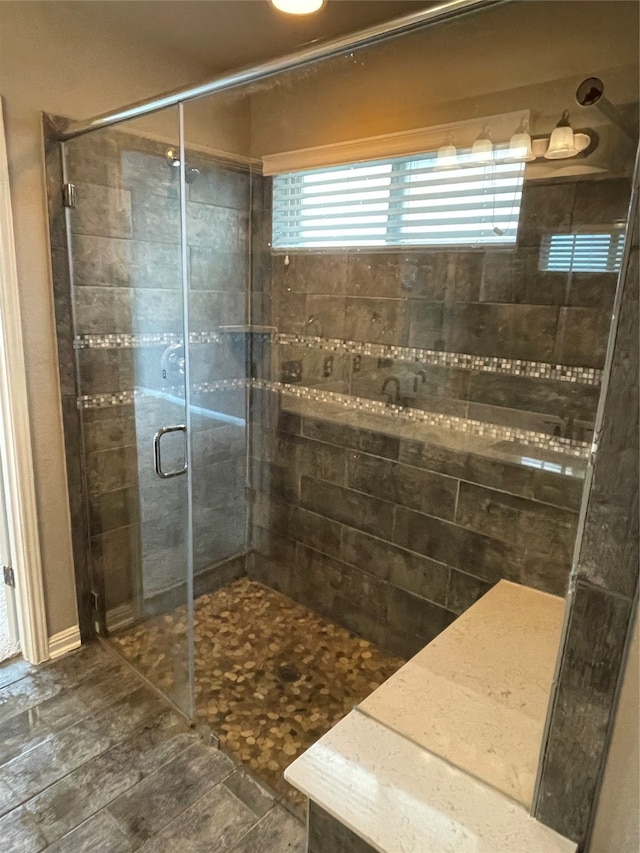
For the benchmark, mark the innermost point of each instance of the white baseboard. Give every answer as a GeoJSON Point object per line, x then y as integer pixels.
{"type": "Point", "coordinates": [65, 641]}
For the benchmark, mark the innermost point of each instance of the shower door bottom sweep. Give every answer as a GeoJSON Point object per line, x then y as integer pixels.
{"type": "Point", "coordinates": [271, 676]}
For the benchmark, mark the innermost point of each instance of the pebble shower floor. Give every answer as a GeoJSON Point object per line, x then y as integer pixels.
{"type": "Point", "coordinates": [271, 676]}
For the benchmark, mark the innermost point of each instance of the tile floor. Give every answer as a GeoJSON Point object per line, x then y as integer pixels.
{"type": "Point", "coordinates": [90, 760]}
{"type": "Point", "coordinates": [271, 676]}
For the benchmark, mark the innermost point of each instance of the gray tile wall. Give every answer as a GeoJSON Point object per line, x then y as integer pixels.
{"type": "Point", "coordinates": [127, 268]}
{"type": "Point", "coordinates": [489, 303]}
{"type": "Point", "coordinates": [604, 586]}
{"type": "Point", "coordinates": [395, 536]}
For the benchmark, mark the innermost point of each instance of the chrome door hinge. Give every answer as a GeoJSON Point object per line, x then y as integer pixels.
{"type": "Point", "coordinates": [69, 195]}
{"type": "Point", "coordinates": [9, 577]}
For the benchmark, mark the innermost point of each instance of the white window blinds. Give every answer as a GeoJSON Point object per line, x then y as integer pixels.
{"type": "Point", "coordinates": [415, 200]}
{"type": "Point", "coordinates": [582, 252]}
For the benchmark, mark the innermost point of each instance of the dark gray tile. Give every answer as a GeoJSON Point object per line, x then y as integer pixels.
{"type": "Point", "coordinates": [105, 371]}
{"type": "Point", "coordinates": [348, 507]}
{"type": "Point", "coordinates": [376, 443]}
{"type": "Point", "coordinates": [18, 833]}
{"type": "Point", "coordinates": [107, 428]}
{"type": "Point", "coordinates": [101, 211]}
{"type": "Point", "coordinates": [544, 529]}
{"type": "Point", "coordinates": [153, 803]}
{"type": "Point", "coordinates": [212, 227]}
{"type": "Point", "coordinates": [327, 585]}
{"type": "Point", "coordinates": [582, 708]}
{"type": "Point", "coordinates": [416, 616]}
{"type": "Point", "coordinates": [515, 479]}
{"type": "Point", "coordinates": [277, 832]}
{"type": "Point", "coordinates": [67, 803]}
{"type": "Point", "coordinates": [314, 458]}
{"type": "Point", "coordinates": [219, 269]}
{"type": "Point", "coordinates": [112, 469]}
{"type": "Point", "coordinates": [324, 273]}
{"type": "Point", "coordinates": [412, 487]}
{"type": "Point", "coordinates": [376, 320]}
{"type": "Point", "coordinates": [412, 572]}
{"type": "Point", "coordinates": [115, 262]}
{"type": "Point", "coordinates": [562, 399]}
{"type": "Point", "coordinates": [327, 835]}
{"type": "Point", "coordinates": [102, 310]}
{"type": "Point", "coordinates": [609, 550]}
{"type": "Point", "coordinates": [545, 207]}
{"type": "Point", "coordinates": [601, 202]}
{"type": "Point", "coordinates": [110, 510]}
{"type": "Point", "coordinates": [155, 218]}
{"type": "Point", "coordinates": [559, 489]}
{"type": "Point", "coordinates": [215, 822]}
{"type": "Point", "coordinates": [218, 186]}
{"type": "Point", "coordinates": [13, 670]}
{"type": "Point", "coordinates": [464, 590]}
{"type": "Point", "coordinates": [99, 834]}
{"type": "Point", "coordinates": [582, 337]}
{"type": "Point", "coordinates": [508, 331]}
{"type": "Point", "coordinates": [249, 792]}
{"type": "Point", "coordinates": [456, 546]}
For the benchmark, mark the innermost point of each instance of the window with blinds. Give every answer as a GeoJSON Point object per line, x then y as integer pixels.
{"type": "Point", "coordinates": [582, 252]}
{"type": "Point", "coordinates": [403, 201]}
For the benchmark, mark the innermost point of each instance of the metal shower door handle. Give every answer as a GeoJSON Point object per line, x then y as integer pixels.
{"type": "Point", "coordinates": [157, 455]}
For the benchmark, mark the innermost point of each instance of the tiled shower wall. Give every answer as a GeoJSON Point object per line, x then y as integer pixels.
{"type": "Point", "coordinates": [127, 310]}
{"type": "Point", "coordinates": [373, 513]}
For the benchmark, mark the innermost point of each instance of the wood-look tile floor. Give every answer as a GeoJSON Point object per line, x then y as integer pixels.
{"type": "Point", "coordinates": [90, 760]}
{"type": "Point", "coordinates": [271, 676]}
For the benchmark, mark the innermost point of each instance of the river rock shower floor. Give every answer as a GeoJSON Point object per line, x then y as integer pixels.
{"type": "Point", "coordinates": [271, 676]}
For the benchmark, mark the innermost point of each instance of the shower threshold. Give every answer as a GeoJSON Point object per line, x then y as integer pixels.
{"type": "Point", "coordinates": [271, 676]}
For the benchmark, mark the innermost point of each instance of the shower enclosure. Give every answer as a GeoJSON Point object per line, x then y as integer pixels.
{"type": "Point", "coordinates": [338, 332]}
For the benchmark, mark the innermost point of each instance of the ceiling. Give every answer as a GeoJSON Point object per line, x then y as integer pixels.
{"type": "Point", "coordinates": [222, 35]}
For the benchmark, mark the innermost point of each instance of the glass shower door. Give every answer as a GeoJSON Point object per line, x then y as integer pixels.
{"type": "Point", "coordinates": [128, 316]}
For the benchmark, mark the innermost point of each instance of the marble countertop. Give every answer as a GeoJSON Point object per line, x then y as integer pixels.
{"type": "Point", "coordinates": [477, 695]}
{"type": "Point", "coordinates": [403, 799]}
{"type": "Point", "coordinates": [443, 756]}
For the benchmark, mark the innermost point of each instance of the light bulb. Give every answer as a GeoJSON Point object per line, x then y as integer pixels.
{"type": "Point", "coordinates": [298, 7]}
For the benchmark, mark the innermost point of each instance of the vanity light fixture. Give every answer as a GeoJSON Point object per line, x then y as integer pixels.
{"type": "Point", "coordinates": [520, 144]}
{"type": "Point", "coordinates": [482, 148]}
{"type": "Point", "coordinates": [447, 155]}
{"type": "Point", "coordinates": [298, 7]}
{"type": "Point", "coordinates": [563, 142]}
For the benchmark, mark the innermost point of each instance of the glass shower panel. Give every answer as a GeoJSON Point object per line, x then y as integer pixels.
{"type": "Point", "coordinates": [217, 206]}
{"type": "Point", "coordinates": [128, 319]}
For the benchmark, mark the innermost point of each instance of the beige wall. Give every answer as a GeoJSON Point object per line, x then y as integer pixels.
{"type": "Point", "coordinates": [52, 60]}
{"type": "Point", "coordinates": [617, 822]}
{"type": "Point", "coordinates": [524, 55]}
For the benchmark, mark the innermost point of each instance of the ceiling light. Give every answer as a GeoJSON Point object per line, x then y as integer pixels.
{"type": "Point", "coordinates": [298, 7]}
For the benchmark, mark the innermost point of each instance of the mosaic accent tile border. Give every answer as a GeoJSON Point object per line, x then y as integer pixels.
{"type": "Point", "coordinates": [566, 446]}
{"type": "Point", "coordinates": [121, 398]}
{"type": "Point", "coordinates": [435, 358]}
{"type": "Point", "coordinates": [438, 358]}
{"type": "Point", "coordinates": [142, 339]}
{"type": "Point", "coordinates": [468, 426]}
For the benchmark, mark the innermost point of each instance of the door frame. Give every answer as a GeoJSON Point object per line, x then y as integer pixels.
{"type": "Point", "coordinates": [15, 440]}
